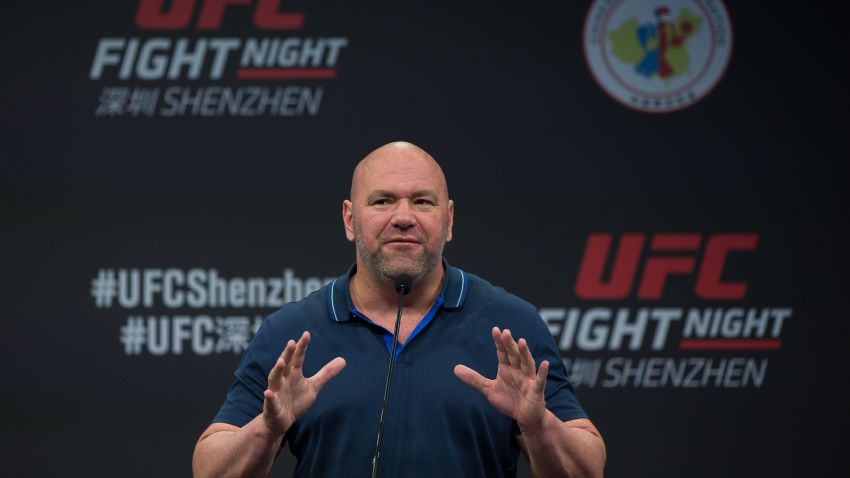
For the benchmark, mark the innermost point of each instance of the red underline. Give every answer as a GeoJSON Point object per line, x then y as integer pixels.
{"type": "Point", "coordinates": [285, 73]}
{"type": "Point", "coordinates": [730, 344]}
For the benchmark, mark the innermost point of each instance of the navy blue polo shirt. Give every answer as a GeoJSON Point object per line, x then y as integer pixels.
{"type": "Point", "coordinates": [435, 425]}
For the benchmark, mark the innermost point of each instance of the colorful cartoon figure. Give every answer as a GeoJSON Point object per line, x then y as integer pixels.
{"type": "Point", "coordinates": [656, 48]}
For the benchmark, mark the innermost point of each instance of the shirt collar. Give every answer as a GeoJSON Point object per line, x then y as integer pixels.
{"type": "Point", "coordinates": [340, 306]}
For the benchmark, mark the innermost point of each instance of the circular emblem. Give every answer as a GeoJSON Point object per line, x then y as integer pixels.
{"type": "Point", "coordinates": [657, 56]}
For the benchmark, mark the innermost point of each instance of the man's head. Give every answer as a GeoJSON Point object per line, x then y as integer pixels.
{"type": "Point", "coordinates": [399, 215]}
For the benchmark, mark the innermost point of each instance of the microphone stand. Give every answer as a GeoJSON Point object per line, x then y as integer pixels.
{"type": "Point", "coordinates": [403, 284]}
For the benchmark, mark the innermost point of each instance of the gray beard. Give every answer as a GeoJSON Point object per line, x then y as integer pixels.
{"type": "Point", "coordinates": [382, 268]}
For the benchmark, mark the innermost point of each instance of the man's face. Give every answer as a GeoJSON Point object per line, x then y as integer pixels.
{"type": "Point", "coordinates": [399, 216]}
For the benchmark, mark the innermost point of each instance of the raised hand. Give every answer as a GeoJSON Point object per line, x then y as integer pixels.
{"type": "Point", "coordinates": [517, 390]}
{"type": "Point", "coordinates": [290, 394]}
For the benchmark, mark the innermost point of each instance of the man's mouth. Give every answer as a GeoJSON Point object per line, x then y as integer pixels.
{"type": "Point", "coordinates": [403, 240]}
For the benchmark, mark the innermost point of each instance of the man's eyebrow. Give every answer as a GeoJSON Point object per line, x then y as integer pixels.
{"type": "Point", "coordinates": [382, 193]}
{"type": "Point", "coordinates": [423, 193]}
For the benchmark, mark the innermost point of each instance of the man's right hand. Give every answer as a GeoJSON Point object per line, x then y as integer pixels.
{"type": "Point", "coordinates": [227, 450]}
{"type": "Point", "coordinates": [290, 394]}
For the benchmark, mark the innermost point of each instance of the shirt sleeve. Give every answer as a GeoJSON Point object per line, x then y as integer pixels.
{"type": "Point", "coordinates": [560, 397]}
{"type": "Point", "coordinates": [245, 398]}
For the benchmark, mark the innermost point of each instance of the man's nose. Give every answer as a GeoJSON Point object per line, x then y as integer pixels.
{"type": "Point", "coordinates": [403, 216]}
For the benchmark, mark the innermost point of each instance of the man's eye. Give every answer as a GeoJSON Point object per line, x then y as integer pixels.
{"type": "Point", "coordinates": [424, 202]}
{"type": "Point", "coordinates": [381, 202]}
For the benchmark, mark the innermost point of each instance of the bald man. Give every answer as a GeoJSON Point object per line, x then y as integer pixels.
{"type": "Point", "coordinates": [313, 376]}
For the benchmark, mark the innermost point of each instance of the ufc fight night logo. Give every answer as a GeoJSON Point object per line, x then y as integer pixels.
{"type": "Point", "coordinates": [618, 270]}
{"type": "Point", "coordinates": [174, 41]}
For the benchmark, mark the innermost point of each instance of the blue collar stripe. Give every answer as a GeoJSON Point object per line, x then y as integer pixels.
{"type": "Point", "coordinates": [331, 306]}
{"type": "Point", "coordinates": [462, 288]}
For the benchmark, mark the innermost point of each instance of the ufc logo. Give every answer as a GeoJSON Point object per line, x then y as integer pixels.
{"type": "Point", "coordinates": [150, 15]}
{"type": "Point", "coordinates": [658, 266]}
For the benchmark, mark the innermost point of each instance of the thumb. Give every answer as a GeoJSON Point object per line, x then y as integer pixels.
{"type": "Point", "coordinates": [329, 371]}
{"type": "Point", "coordinates": [271, 404]}
{"type": "Point", "coordinates": [471, 377]}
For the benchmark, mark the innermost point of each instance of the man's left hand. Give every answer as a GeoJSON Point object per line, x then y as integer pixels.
{"type": "Point", "coordinates": [517, 390]}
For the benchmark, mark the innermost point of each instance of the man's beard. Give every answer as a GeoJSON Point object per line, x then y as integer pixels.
{"type": "Point", "coordinates": [382, 266]}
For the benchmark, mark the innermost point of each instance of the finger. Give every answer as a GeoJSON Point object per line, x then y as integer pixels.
{"type": "Point", "coordinates": [326, 373]}
{"type": "Point", "coordinates": [511, 347]}
{"type": "Point", "coordinates": [500, 349]}
{"type": "Point", "coordinates": [271, 404]}
{"type": "Point", "coordinates": [276, 375]}
{"type": "Point", "coordinates": [288, 352]}
{"type": "Point", "coordinates": [540, 379]}
{"type": "Point", "coordinates": [526, 360]}
{"type": "Point", "coordinates": [301, 350]}
{"type": "Point", "coordinates": [471, 377]}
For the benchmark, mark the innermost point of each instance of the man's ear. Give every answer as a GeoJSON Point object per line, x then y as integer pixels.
{"type": "Point", "coordinates": [451, 220]}
{"type": "Point", "coordinates": [348, 219]}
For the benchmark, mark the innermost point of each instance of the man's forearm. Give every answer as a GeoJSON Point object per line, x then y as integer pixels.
{"type": "Point", "coordinates": [556, 448]}
{"type": "Point", "coordinates": [241, 452]}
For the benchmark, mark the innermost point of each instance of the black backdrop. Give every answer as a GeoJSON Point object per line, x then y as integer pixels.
{"type": "Point", "coordinates": [538, 158]}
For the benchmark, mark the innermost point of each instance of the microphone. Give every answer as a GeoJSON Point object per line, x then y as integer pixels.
{"type": "Point", "coordinates": [403, 284]}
